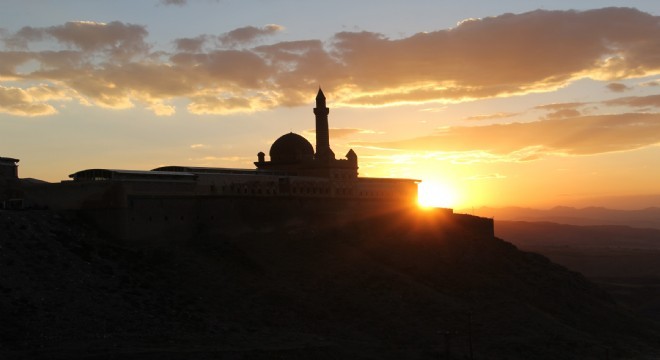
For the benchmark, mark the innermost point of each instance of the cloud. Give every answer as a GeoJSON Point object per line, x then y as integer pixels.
{"type": "Point", "coordinates": [617, 87]}
{"type": "Point", "coordinates": [161, 109]}
{"type": "Point", "coordinates": [563, 113]}
{"type": "Point", "coordinates": [174, 2]}
{"type": "Point", "coordinates": [10, 61]}
{"type": "Point", "coordinates": [118, 40]}
{"type": "Point", "coordinates": [28, 102]}
{"type": "Point", "coordinates": [560, 106]}
{"type": "Point", "coordinates": [218, 105]}
{"type": "Point", "coordinates": [503, 55]}
{"type": "Point", "coordinates": [193, 45]}
{"type": "Point", "coordinates": [248, 34]}
{"type": "Point", "coordinates": [112, 65]}
{"type": "Point", "coordinates": [583, 135]}
{"type": "Point", "coordinates": [561, 110]}
{"type": "Point", "coordinates": [636, 101]}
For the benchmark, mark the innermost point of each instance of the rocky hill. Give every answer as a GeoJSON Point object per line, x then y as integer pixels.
{"type": "Point", "coordinates": [379, 288]}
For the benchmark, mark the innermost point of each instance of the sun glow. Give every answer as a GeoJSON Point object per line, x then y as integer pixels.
{"type": "Point", "coordinates": [433, 194]}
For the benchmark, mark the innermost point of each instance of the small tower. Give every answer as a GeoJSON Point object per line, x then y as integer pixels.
{"type": "Point", "coordinates": [352, 157]}
{"type": "Point", "coordinates": [8, 168]}
{"type": "Point", "coordinates": [323, 151]}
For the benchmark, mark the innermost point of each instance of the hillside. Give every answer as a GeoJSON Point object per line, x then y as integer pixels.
{"type": "Point", "coordinates": [623, 260]}
{"type": "Point", "coordinates": [379, 288]}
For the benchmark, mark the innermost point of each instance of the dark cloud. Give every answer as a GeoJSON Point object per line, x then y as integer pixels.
{"type": "Point", "coordinates": [174, 2]}
{"type": "Point", "coordinates": [560, 106]}
{"type": "Point", "coordinates": [11, 60]}
{"type": "Point", "coordinates": [248, 34]}
{"type": "Point", "coordinates": [23, 37]}
{"type": "Point", "coordinates": [112, 65]}
{"type": "Point", "coordinates": [211, 104]}
{"type": "Point", "coordinates": [118, 40]}
{"type": "Point", "coordinates": [582, 135]}
{"type": "Point", "coordinates": [617, 87]}
{"type": "Point", "coordinates": [193, 45]}
{"type": "Point", "coordinates": [563, 113]}
{"type": "Point", "coordinates": [636, 101]}
{"type": "Point", "coordinates": [501, 55]}
{"type": "Point", "coordinates": [561, 110]}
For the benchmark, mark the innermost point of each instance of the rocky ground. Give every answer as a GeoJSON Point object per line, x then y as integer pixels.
{"type": "Point", "coordinates": [377, 289]}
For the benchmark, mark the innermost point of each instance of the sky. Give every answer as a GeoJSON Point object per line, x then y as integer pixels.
{"type": "Point", "coordinates": [489, 103]}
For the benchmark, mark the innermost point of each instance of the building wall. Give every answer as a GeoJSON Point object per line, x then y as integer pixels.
{"type": "Point", "coordinates": [157, 219]}
{"type": "Point", "coordinates": [185, 217]}
{"type": "Point", "coordinates": [158, 211]}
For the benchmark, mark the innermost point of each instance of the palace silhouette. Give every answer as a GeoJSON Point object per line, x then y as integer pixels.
{"type": "Point", "coordinates": [297, 183]}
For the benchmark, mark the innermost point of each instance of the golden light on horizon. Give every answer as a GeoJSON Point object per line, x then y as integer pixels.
{"type": "Point", "coordinates": [435, 194]}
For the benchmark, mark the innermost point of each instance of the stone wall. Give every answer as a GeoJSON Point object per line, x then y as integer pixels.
{"type": "Point", "coordinates": [153, 211]}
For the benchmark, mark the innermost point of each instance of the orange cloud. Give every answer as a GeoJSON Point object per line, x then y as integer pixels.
{"type": "Point", "coordinates": [112, 64]}
{"type": "Point", "coordinates": [581, 135]}
{"type": "Point", "coordinates": [27, 102]}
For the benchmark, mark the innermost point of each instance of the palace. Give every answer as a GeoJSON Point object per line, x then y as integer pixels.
{"type": "Point", "coordinates": [297, 184]}
{"type": "Point", "coordinates": [294, 170]}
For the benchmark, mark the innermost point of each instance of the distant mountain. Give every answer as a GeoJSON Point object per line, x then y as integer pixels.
{"type": "Point", "coordinates": [388, 287]}
{"type": "Point", "coordinates": [644, 218]}
{"type": "Point", "coordinates": [528, 235]}
{"type": "Point", "coordinates": [628, 202]}
{"type": "Point", "coordinates": [602, 251]}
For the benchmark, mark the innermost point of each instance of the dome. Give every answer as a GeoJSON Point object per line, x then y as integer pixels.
{"type": "Point", "coordinates": [291, 148]}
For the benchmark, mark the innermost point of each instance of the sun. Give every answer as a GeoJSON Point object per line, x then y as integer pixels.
{"type": "Point", "coordinates": [434, 194]}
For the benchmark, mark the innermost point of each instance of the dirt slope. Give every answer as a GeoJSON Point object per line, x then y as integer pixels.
{"type": "Point", "coordinates": [379, 288]}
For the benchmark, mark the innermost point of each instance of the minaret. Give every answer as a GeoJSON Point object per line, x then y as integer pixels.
{"type": "Point", "coordinates": [323, 151]}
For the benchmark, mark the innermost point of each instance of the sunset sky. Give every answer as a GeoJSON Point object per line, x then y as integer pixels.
{"type": "Point", "coordinates": [490, 103]}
